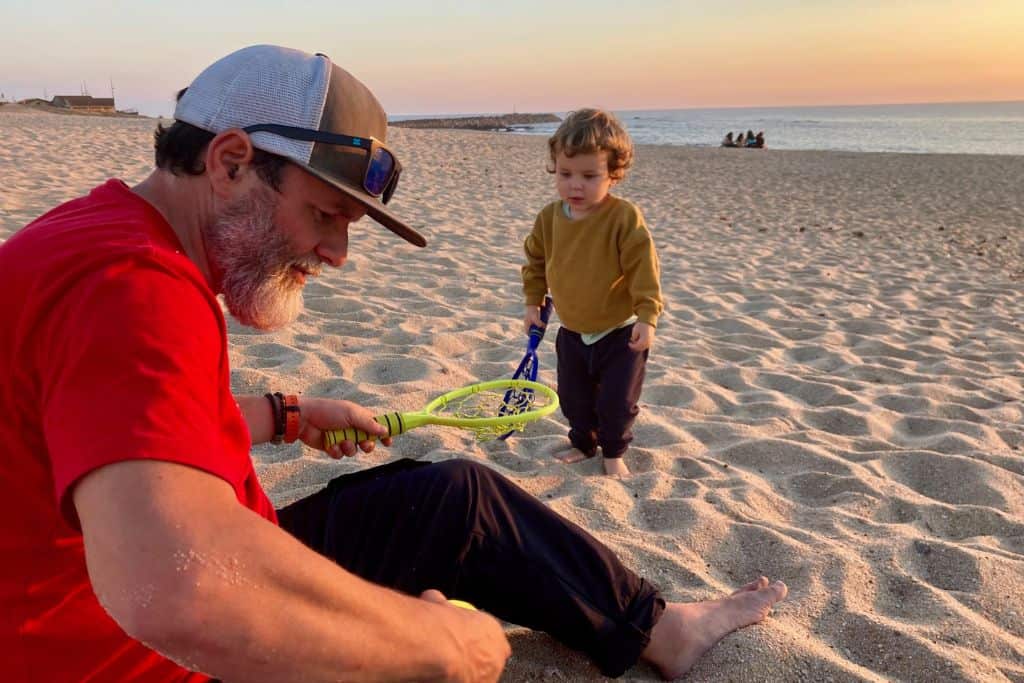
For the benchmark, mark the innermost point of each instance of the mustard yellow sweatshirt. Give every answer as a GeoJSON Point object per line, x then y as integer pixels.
{"type": "Point", "coordinates": [600, 269]}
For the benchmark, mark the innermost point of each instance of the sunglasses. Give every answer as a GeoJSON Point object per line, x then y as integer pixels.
{"type": "Point", "coordinates": [380, 177]}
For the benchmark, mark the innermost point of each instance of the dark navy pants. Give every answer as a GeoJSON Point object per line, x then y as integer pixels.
{"type": "Point", "coordinates": [599, 388]}
{"type": "Point", "coordinates": [465, 530]}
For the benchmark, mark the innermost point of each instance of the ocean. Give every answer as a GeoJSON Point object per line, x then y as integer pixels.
{"type": "Point", "coordinates": [954, 128]}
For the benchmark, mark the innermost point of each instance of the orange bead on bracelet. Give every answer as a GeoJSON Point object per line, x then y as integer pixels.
{"type": "Point", "coordinates": [292, 418]}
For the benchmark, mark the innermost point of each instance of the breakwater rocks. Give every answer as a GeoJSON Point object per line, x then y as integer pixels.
{"type": "Point", "coordinates": [501, 122]}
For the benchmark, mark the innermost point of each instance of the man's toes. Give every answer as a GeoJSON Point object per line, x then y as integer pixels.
{"type": "Point", "coordinates": [779, 590]}
{"type": "Point", "coordinates": [755, 585]}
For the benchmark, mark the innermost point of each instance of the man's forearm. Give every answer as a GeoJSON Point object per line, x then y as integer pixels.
{"type": "Point", "coordinates": [270, 609]}
{"type": "Point", "coordinates": [230, 594]}
{"type": "Point", "coordinates": [258, 415]}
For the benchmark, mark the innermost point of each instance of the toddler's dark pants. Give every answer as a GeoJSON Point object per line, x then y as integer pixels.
{"type": "Point", "coordinates": [598, 388]}
{"type": "Point", "coordinates": [465, 530]}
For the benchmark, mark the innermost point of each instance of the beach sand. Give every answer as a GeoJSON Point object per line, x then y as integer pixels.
{"type": "Point", "coordinates": [833, 399]}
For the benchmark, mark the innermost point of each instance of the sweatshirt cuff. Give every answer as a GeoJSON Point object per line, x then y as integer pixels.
{"type": "Point", "coordinates": [647, 316]}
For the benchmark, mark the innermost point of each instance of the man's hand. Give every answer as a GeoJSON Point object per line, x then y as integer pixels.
{"type": "Point", "coordinates": [479, 636]}
{"type": "Point", "coordinates": [323, 414]}
{"type": "Point", "coordinates": [532, 317]}
{"type": "Point", "coordinates": [642, 337]}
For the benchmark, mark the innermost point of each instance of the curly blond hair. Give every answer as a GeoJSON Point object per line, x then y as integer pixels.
{"type": "Point", "coordinates": [587, 131]}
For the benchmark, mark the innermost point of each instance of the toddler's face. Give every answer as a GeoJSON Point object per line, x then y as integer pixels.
{"type": "Point", "coordinates": [583, 181]}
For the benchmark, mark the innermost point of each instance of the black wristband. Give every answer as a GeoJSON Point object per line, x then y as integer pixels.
{"type": "Point", "coordinates": [277, 406]}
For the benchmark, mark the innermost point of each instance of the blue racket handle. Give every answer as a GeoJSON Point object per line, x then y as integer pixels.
{"type": "Point", "coordinates": [537, 333]}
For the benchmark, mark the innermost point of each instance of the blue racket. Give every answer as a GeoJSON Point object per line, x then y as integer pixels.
{"type": "Point", "coordinates": [528, 365]}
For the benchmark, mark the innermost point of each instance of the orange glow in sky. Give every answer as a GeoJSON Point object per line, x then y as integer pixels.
{"type": "Point", "coordinates": [445, 57]}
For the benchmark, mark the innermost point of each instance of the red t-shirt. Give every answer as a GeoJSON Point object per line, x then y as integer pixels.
{"type": "Point", "coordinates": [112, 348]}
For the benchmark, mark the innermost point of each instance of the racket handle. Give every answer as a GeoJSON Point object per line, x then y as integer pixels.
{"type": "Point", "coordinates": [545, 309]}
{"type": "Point", "coordinates": [393, 421]}
{"type": "Point", "coordinates": [545, 315]}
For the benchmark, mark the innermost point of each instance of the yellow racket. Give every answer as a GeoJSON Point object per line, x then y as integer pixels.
{"type": "Point", "coordinates": [488, 409]}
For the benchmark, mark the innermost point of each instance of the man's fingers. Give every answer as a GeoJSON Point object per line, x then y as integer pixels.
{"type": "Point", "coordinates": [366, 423]}
{"type": "Point", "coordinates": [433, 595]}
{"type": "Point", "coordinates": [343, 449]}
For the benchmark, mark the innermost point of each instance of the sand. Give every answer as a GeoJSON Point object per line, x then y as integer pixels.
{"type": "Point", "coordinates": [834, 396]}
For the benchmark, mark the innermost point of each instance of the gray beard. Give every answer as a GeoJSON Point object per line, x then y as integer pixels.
{"type": "Point", "coordinates": [255, 259]}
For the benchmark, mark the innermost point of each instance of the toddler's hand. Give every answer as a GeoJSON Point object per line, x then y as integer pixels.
{"type": "Point", "coordinates": [532, 317]}
{"type": "Point", "coordinates": [642, 337]}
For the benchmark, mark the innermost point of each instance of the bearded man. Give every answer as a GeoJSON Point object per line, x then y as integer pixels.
{"type": "Point", "coordinates": [136, 541]}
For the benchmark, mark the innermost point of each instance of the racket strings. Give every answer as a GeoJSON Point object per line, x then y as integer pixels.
{"type": "Point", "coordinates": [495, 403]}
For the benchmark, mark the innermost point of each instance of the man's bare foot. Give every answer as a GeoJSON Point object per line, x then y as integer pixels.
{"type": "Point", "coordinates": [688, 630]}
{"type": "Point", "coordinates": [615, 467]}
{"type": "Point", "coordinates": [569, 455]}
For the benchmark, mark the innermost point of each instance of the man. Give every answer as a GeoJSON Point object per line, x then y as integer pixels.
{"type": "Point", "coordinates": [137, 543]}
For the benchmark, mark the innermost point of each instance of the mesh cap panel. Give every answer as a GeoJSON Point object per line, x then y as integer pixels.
{"type": "Point", "coordinates": [293, 89]}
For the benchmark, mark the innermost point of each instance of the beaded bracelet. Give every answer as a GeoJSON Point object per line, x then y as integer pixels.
{"type": "Point", "coordinates": [277, 406]}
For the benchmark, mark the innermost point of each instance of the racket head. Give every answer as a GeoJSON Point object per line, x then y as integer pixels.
{"type": "Point", "coordinates": [526, 370]}
{"type": "Point", "coordinates": [492, 408]}
{"type": "Point", "coordinates": [529, 365]}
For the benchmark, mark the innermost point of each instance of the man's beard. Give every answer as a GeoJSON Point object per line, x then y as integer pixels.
{"type": "Point", "coordinates": [254, 260]}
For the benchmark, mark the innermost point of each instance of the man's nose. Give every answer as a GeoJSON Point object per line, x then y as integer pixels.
{"type": "Point", "coordinates": [333, 248]}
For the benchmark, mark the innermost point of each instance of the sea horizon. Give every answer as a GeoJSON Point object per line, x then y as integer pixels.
{"type": "Point", "coordinates": [991, 127]}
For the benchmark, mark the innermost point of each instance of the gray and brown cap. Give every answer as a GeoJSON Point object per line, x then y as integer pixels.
{"type": "Point", "coordinates": [267, 84]}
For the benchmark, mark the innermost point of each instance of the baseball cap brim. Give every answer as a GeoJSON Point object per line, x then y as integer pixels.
{"type": "Point", "coordinates": [374, 207]}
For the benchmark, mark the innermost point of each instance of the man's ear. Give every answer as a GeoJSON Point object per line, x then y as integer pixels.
{"type": "Point", "coordinates": [228, 157]}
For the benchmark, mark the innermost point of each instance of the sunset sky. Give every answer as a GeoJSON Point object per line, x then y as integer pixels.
{"type": "Point", "coordinates": [452, 57]}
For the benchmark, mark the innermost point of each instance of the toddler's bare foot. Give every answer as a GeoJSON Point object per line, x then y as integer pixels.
{"type": "Point", "coordinates": [569, 455]}
{"type": "Point", "coordinates": [688, 630]}
{"type": "Point", "coordinates": [615, 467]}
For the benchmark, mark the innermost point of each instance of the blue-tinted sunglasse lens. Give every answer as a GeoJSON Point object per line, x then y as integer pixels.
{"type": "Point", "coordinates": [390, 189]}
{"type": "Point", "coordinates": [379, 171]}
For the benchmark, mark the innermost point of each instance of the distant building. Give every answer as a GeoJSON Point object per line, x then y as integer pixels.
{"type": "Point", "coordinates": [103, 105]}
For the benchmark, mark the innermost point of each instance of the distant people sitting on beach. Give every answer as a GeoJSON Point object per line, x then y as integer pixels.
{"type": "Point", "coordinates": [742, 139]}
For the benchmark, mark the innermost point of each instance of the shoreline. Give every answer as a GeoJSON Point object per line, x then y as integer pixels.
{"type": "Point", "coordinates": [940, 128]}
{"type": "Point", "coordinates": [498, 125]}
{"type": "Point", "coordinates": [526, 132]}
